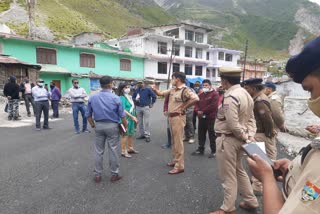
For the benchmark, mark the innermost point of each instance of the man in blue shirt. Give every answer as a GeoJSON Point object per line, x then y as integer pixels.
{"type": "Point", "coordinates": [55, 99]}
{"type": "Point", "coordinates": [104, 114]}
{"type": "Point", "coordinates": [144, 99]}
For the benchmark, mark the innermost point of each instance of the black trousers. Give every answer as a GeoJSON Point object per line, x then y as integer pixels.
{"type": "Point", "coordinates": [55, 108]}
{"type": "Point", "coordinates": [42, 106]}
{"type": "Point", "coordinates": [205, 126]}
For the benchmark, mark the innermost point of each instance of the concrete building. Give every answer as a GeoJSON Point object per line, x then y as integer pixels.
{"type": "Point", "coordinates": [221, 57]}
{"type": "Point", "coordinates": [254, 69]}
{"type": "Point", "coordinates": [169, 48]}
{"type": "Point", "coordinates": [60, 63]}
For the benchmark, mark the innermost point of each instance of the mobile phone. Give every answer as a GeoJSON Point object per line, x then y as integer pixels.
{"type": "Point", "coordinates": [252, 148]}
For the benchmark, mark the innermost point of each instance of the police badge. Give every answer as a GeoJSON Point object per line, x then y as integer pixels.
{"type": "Point", "coordinates": [310, 192]}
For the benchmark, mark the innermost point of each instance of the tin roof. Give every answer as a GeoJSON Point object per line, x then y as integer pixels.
{"type": "Point", "coordinates": [8, 60]}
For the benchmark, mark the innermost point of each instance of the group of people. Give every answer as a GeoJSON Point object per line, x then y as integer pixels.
{"type": "Point", "coordinates": [232, 115]}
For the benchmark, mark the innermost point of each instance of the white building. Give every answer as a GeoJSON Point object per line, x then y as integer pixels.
{"type": "Point", "coordinates": [219, 57]}
{"type": "Point", "coordinates": [186, 45]}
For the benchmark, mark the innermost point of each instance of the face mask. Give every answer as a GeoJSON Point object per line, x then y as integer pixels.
{"type": "Point", "coordinates": [40, 84]}
{"type": "Point", "coordinates": [127, 91]}
{"type": "Point", "coordinates": [196, 88]}
{"type": "Point", "coordinates": [205, 90]}
{"type": "Point", "coordinates": [76, 85]}
{"type": "Point", "coordinates": [51, 86]}
{"type": "Point", "coordinates": [314, 106]}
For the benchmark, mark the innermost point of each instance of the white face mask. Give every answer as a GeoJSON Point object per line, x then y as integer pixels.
{"type": "Point", "coordinates": [40, 84]}
{"type": "Point", "coordinates": [314, 106]}
{"type": "Point", "coordinates": [205, 90]}
{"type": "Point", "coordinates": [127, 91]}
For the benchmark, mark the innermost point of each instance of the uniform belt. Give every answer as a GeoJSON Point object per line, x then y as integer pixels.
{"type": "Point", "coordinates": [220, 134]}
{"type": "Point", "coordinates": [175, 114]}
{"type": "Point", "coordinates": [142, 106]}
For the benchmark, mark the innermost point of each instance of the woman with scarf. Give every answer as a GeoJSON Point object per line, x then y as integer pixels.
{"type": "Point", "coordinates": [129, 107]}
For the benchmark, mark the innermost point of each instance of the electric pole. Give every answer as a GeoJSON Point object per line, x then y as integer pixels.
{"type": "Point", "coordinates": [170, 64]}
{"type": "Point", "coordinates": [245, 60]}
{"type": "Point", "coordinates": [31, 11]}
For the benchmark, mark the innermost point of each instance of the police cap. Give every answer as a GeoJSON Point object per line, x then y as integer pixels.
{"type": "Point", "coordinates": [230, 71]}
{"type": "Point", "coordinates": [301, 65]}
{"type": "Point", "coordinates": [252, 81]}
{"type": "Point", "coordinates": [270, 85]}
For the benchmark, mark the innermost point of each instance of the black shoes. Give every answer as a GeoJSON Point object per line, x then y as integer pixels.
{"type": "Point", "coordinates": [141, 137]}
{"type": "Point", "coordinates": [148, 139]}
{"type": "Point", "coordinates": [197, 153]}
{"type": "Point", "coordinates": [212, 155]}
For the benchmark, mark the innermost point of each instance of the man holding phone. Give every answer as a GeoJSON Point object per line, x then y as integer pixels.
{"type": "Point", "coordinates": [234, 125]}
{"type": "Point", "coordinates": [301, 177]}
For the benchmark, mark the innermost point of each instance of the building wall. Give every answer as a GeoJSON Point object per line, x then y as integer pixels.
{"type": "Point", "coordinates": [69, 58]}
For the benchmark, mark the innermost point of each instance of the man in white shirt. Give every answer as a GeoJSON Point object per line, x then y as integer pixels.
{"type": "Point", "coordinates": [41, 97]}
{"type": "Point", "coordinates": [77, 96]}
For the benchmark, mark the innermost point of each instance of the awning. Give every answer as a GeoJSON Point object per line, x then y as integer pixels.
{"type": "Point", "coordinates": [11, 61]}
{"type": "Point", "coordinates": [54, 69]}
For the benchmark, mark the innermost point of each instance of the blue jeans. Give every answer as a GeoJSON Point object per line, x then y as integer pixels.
{"type": "Point", "coordinates": [76, 107]}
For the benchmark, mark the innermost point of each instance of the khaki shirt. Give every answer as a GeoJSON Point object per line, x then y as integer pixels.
{"type": "Point", "coordinates": [263, 115]}
{"type": "Point", "coordinates": [177, 99]}
{"type": "Point", "coordinates": [235, 115]}
{"type": "Point", "coordinates": [277, 109]}
{"type": "Point", "coordinates": [302, 184]}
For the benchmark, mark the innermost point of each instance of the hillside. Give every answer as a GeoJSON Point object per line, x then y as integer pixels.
{"type": "Point", "coordinates": [61, 19]}
{"type": "Point", "coordinates": [269, 25]}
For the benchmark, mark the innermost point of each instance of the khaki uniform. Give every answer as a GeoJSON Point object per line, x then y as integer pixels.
{"type": "Point", "coordinates": [265, 130]}
{"type": "Point", "coordinates": [302, 185]}
{"type": "Point", "coordinates": [177, 121]}
{"type": "Point", "coordinates": [277, 109]}
{"type": "Point", "coordinates": [234, 124]}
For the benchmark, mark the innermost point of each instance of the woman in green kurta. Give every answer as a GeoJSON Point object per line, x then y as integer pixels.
{"type": "Point", "coordinates": [129, 108]}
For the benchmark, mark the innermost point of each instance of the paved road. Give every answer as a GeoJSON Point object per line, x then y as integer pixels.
{"type": "Point", "coordinates": [51, 172]}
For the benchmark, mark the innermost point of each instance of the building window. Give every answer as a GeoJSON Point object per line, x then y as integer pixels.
{"type": "Point", "coordinates": [188, 52]}
{"type": "Point", "coordinates": [199, 37]}
{"type": "Point", "coordinates": [229, 57]}
{"type": "Point", "coordinates": [125, 64]}
{"type": "Point", "coordinates": [162, 48]}
{"type": "Point", "coordinates": [176, 50]}
{"type": "Point", "coordinates": [214, 72]}
{"type": "Point", "coordinates": [208, 73]}
{"type": "Point", "coordinates": [162, 68]}
{"type": "Point", "coordinates": [208, 55]}
{"type": "Point", "coordinates": [87, 60]}
{"type": "Point", "coordinates": [188, 69]}
{"type": "Point", "coordinates": [198, 70]}
{"type": "Point", "coordinates": [46, 56]}
{"type": "Point", "coordinates": [175, 67]}
{"type": "Point", "coordinates": [221, 56]}
{"type": "Point", "coordinates": [199, 53]}
{"type": "Point", "coordinates": [189, 35]}
{"type": "Point", "coordinates": [174, 32]}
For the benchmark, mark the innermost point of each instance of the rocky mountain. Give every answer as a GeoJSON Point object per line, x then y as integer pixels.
{"type": "Point", "coordinates": [274, 28]}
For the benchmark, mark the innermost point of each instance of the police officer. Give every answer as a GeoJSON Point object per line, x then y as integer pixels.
{"type": "Point", "coordinates": [180, 98]}
{"type": "Point", "coordinates": [301, 176]}
{"type": "Point", "coordinates": [265, 125]}
{"type": "Point", "coordinates": [234, 125]}
{"type": "Point", "coordinates": [276, 106]}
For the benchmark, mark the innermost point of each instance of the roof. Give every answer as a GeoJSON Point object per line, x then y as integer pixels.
{"type": "Point", "coordinates": [179, 24]}
{"type": "Point", "coordinates": [54, 69]}
{"type": "Point", "coordinates": [8, 60]}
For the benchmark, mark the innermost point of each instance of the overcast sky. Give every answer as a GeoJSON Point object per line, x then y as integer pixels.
{"type": "Point", "coordinates": [316, 1]}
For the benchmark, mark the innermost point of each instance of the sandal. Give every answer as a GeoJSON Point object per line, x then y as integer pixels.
{"type": "Point", "coordinates": [132, 151]}
{"type": "Point", "coordinates": [126, 155]}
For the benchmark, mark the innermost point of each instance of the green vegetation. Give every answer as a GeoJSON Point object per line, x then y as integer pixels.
{"type": "Point", "coordinates": [20, 29]}
{"type": "Point", "coordinates": [4, 5]}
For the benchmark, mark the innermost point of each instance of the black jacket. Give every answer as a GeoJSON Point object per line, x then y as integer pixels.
{"type": "Point", "coordinates": [11, 89]}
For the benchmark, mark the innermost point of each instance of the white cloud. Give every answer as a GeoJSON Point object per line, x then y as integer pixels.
{"type": "Point", "coordinates": [315, 1]}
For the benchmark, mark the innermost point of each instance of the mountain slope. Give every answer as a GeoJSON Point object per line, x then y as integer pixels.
{"type": "Point", "coordinates": [269, 25]}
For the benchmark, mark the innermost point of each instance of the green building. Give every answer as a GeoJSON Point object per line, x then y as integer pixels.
{"type": "Point", "coordinates": [63, 62]}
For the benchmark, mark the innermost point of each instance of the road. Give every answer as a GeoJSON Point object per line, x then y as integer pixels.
{"type": "Point", "coordinates": [52, 172]}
